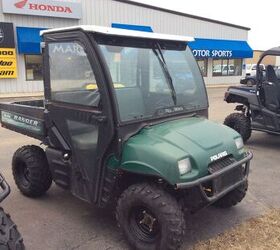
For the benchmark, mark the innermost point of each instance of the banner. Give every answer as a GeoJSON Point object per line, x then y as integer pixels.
{"type": "Point", "coordinates": [8, 63]}
{"type": "Point", "coordinates": [8, 57]}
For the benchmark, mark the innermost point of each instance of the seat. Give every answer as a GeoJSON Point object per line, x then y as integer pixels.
{"type": "Point", "coordinates": [270, 74]}
{"type": "Point", "coordinates": [81, 97]}
{"type": "Point", "coordinates": [272, 90]}
{"type": "Point", "coordinates": [131, 103]}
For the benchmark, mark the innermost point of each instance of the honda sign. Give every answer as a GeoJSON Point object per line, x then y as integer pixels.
{"type": "Point", "coordinates": [53, 8]}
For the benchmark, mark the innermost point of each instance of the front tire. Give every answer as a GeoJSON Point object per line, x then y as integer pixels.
{"type": "Point", "coordinates": [31, 171]}
{"type": "Point", "coordinates": [240, 123]}
{"type": "Point", "coordinates": [10, 238]}
{"type": "Point", "coordinates": [233, 198]}
{"type": "Point", "coordinates": [150, 218]}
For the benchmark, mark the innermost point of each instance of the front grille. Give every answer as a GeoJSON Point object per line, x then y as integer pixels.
{"type": "Point", "coordinates": [226, 179]}
{"type": "Point", "coordinates": [220, 164]}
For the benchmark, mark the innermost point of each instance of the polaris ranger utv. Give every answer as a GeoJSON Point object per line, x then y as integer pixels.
{"type": "Point", "coordinates": [259, 104]}
{"type": "Point", "coordinates": [125, 119]}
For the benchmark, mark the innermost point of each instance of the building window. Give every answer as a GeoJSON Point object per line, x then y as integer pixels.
{"type": "Point", "coordinates": [203, 65]}
{"type": "Point", "coordinates": [33, 67]}
{"type": "Point", "coordinates": [227, 67]}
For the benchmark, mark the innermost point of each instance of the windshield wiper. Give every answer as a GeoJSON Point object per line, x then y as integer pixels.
{"type": "Point", "coordinates": [166, 72]}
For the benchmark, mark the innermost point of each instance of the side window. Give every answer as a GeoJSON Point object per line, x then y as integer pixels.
{"type": "Point", "coordinates": [72, 78]}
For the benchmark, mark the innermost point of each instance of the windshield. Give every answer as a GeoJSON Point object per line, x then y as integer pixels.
{"type": "Point", "coordinates": [150, 82]}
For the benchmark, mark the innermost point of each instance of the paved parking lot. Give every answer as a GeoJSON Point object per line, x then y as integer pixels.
{"type": "Point", "coordinates": [60, 221]}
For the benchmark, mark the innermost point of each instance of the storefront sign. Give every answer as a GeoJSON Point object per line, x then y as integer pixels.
{"type": "Point", "coordinates": [53, 8]}
{"type": "Point", "coordinates": [7, 35]}
{"type": "Point", "coordinates": [212, 53]}
{"type": "Point", "coordinates": [218, 48]}
{"type": "Point", "coordinates": [8, 61]}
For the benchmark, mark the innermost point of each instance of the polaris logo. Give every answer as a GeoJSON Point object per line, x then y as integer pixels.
{"type": "Point", "coordinates": [43, 7]}
{"type": "Point", "coordinates": [218, 156]}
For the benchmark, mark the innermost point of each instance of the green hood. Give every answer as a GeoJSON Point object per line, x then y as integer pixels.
{"type": "Point", "coordinates": [156, 150]}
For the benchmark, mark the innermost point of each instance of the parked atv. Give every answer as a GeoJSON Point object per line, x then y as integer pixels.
{"type": "Point", "coordinates": [10, 238]}
{"type": "Point", "coordinates": [259, 107]}
{"type": "Point", "coordinates": [125, 119]}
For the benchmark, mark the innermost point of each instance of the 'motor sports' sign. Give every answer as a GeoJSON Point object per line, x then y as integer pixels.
{"type": "Point", "coordinates": [54, 8]}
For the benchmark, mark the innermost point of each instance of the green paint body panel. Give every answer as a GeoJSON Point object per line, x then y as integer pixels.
{"type": "Point", "coordinates": [156, 150]}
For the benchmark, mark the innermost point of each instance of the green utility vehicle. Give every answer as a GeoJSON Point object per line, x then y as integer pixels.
{"type": "Point", "coordinates": [124, 122]}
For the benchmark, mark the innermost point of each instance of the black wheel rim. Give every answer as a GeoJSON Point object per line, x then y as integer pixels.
{"type": "Point", "coordinates": [144, 224]}
{"type": "Point", "coordinates": [23, 174]}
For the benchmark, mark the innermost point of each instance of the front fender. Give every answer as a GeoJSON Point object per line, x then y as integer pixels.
{"type": "Point", "coordinates": [241, 94]}
{"type": "Point", "coordinates": [233, 98]}
{"type": "Point", "coordinates": [140, 168]}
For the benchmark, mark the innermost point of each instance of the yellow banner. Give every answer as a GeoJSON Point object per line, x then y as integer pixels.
{"type": "Point", "coordinates": [8, 63]}
{"type": "Point", "coordinates": [7, 53]}
{"type": "Point", "coordinates": [8, 73]}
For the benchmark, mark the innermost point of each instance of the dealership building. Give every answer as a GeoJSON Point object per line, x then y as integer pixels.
{"type": "Point", "coordinates": [220, 48]}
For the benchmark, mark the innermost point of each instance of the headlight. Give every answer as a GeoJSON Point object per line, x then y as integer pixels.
{"type": "Point", "coordinates": [239, 143]}
{"type": "Point", "coordinates": [184, 166]}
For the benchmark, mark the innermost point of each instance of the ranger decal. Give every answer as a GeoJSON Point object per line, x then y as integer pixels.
{"type": "Point", "coordinates": [22, 122]}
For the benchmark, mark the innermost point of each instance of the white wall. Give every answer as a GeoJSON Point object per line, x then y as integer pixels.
{"type": "Point", "coordinates": [105, 12]}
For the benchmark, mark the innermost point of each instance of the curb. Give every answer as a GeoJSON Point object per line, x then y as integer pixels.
{"type": "Point", "coordinates": [214, 86]}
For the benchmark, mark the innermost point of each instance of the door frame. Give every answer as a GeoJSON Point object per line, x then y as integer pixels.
{"type": "Point", "coordinates": [105, 116]}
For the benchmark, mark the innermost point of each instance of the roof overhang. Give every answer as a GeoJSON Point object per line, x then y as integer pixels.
{"type": "Point", "coordinates": [28, 40]}
{"type": "Point", "coordinates": [121, 32]}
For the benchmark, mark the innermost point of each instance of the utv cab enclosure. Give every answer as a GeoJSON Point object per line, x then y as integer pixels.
{"type": "Point", "coordinates": [259, 104]}
{"type": "Point", "coordinates": [124, 122]}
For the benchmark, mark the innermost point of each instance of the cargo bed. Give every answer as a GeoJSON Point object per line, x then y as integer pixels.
{"type": "Point", "coordinates": [25, 117]}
